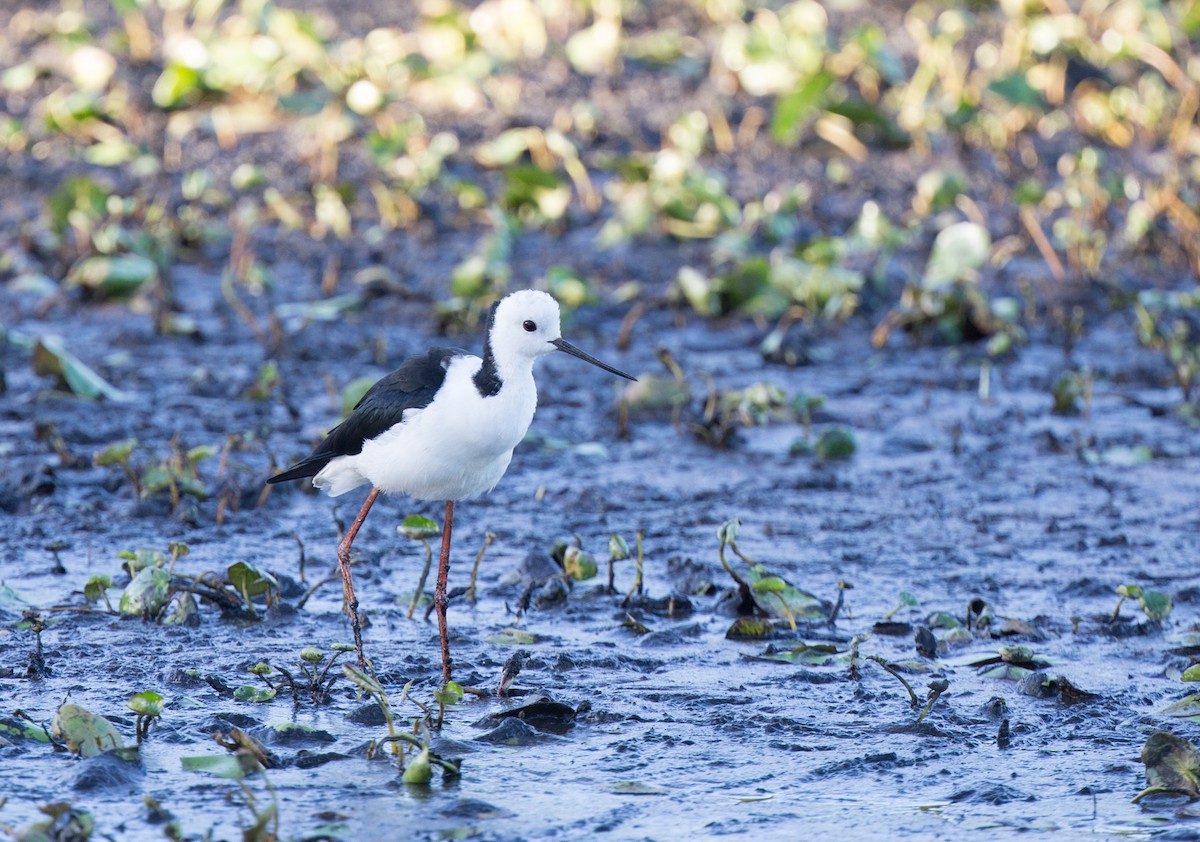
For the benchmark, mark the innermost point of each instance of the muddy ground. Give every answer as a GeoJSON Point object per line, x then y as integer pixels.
{"type": "Point", "coordinates": [950, 497]}
{"type": "Point", "coordinates": [966, 492]}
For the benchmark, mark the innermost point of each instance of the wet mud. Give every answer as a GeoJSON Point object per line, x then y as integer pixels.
{"type": "Point", "coordinates": [953, 496]}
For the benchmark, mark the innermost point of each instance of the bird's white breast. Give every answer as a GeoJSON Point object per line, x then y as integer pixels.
{"type": "Point", "coordinates": [458, 446]}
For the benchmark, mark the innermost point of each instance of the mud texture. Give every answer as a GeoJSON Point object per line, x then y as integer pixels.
{"type": "Point", "coordinates": [950, 497]}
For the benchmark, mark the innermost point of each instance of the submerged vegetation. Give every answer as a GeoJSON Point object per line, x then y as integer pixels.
{"type": "Point", "coordinates": [862, 254]}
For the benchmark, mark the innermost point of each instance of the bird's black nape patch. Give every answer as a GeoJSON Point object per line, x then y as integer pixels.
{"type": "Point", "coordinates": [487, 379]}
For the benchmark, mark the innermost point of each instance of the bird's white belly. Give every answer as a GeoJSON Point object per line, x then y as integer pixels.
{"type": "Point", "coordinates": [456, 448]}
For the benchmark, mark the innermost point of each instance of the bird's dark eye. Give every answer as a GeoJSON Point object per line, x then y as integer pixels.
{"type": "Point", "coordinates": [530, 325]}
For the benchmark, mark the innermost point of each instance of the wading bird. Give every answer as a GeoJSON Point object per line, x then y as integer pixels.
{"type": "Point", "coordinates": [441, 427]}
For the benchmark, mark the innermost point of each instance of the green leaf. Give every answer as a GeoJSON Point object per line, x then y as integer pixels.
{"type": "Point", "coordinates": [793, 109]}
{"type": "Point", "coordinates": [354, 392]}
{"type": "Point", "coordinates": [1015, 88]}
{"type": "Point", "coordinates": [419, 770]}
{"type": "Point", "coordinates": [635, 788]}
{"type": "Point", "coordinates": [618, 550]}
{"type": "Point", "coordinates": [816, 654]}
{"type": "Point", "coordinates": [772, 584]}
{"type": "Point", "coordinates": [251, 693]}
{"type": "Point", "coordinates": [85, 733]}
{"type": "Point", "coordinates": [147, 703]}
{"type": "Point", "coordinates": [95, 587]}
{"type": "Point", "coordinates": [785, 601]}
{"type": "Point", "coordinates": [1130, 591]}
{"type": "Point", "coordinates": [418, 527]}
{"type": "Point", "coordinates": [835, 443]}
{"type": "Point", "coordinates": [232, 766]}
{"type": "Point", "coordinates": [750, 628]}
{"type": "Point", "coordinates": [1192, 673]}
{"type": "Point", "coordinates": [512, 637]}
{"type": "Point", "coordinates": [578, 564]}
{"type": "Point", "coordinates": [249, 580]}
{"type": "Point", "coordinates": [451, 694]}
{"type": "Point", "coordinates": [18, 729]}
{"type": "Point", "coordinates": [1186, 708]}
{"type": "Point", "coordinates": [50, 357]}
{"type": "Point", "coordinates": [116, 453]}
{"type": "Point", "coordinates": [1156, 604]}
{"type": "Point", "coordinates": [146, 594]}
{"type": "Point", "coordinates": [312, 655]}
{"type": "Point", "coordinates": [958, 251]}
{"type": "Point", "coordinates": [119, 276]}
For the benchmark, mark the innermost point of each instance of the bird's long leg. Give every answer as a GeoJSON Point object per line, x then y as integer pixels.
{"type": "Point", "coordinates": [439, 592]}
{"type": "Point", "coordinates": [343, 555]}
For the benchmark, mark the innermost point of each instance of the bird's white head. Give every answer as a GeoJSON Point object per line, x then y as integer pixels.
{"type": "Point", "coordinates": [526, 325]}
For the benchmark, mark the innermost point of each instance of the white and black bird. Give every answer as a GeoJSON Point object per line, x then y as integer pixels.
{"type": "Point", "coordinates": [441, 427]}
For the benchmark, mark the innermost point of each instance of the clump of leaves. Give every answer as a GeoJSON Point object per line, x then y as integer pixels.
{"type": "Point", "coordinates": [947, 299]}
{"type": "Point", "coordinates": [418, 769]}
{"type": "Point", "coordinates": [1069, 389]}
{"type": "Point", "coordinates": [1155, 604]}
{"type": "Point", "coordinates": [762, 591]}
{"type": "Point", "coordinates": [1169, 322]}
{"type": "Point", "coordinates": [177, 473]}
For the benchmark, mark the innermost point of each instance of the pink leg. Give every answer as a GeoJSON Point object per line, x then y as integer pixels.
{"type": "Point", "coordinates": [439, 592]}
{"type": "Point", "coordinates": [343, 555]}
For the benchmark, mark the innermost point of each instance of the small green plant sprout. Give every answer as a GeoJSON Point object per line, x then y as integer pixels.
{"type": "Point", "coordinates": [450, 694]}
{"type": "Point", "coordinates": [577, 564]}
{"type": "Point", "coordinates": [1172, 766]}
{"type": "Point", "coordinates": [836, 443]}
{"type": "Point", "coordinates": [315, 668]}
{"type": "Point", "coordinates": [421, 529]}
{"type": "Point", "coordinates": [119, 453]}
{"type": "Point", "coordinates": [1155, 604]}
{"type": "Point", "coordinates": [904, 599]}
{"type": "Point", "coordinates": [947, 300]}
{"type": "Point", "coordinates": [488, 539]}
{"type": "Point", "coordinates": [177, 550]}
{"type": "Point", "coordinates": [250, 693]}
{"type": "Point", "coordinates": [618, 550]}
{"type": "Point", "coordinates": [249, 582]}
{"type": "Point", "coordinates": [639, 566]}
{"type": "Point", "coordinates": [419, 770]}
{"type": "Point", "coordinates": [148, 706]}
{"type": "Point", "coordinates": [1192, 673]}
{"type": "Point", "coordinates": [266, 382]}
{"type": "Point", "coordinates": [97, 589]}
{"type": "Point", "coordinates": [177, 473]}
{"type": "Point", "coordinates": [1169, 322]}
{"type": "Point", "coordinates": [1069, 389]}
{"type": "Point", "coordinates": [770, 594]}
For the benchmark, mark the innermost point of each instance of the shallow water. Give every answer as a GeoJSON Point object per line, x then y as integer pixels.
{"type": "Point", "coordinates": [950, 497]}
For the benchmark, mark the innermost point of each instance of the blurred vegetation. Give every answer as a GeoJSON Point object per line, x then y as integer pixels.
{"type": "Point", "coordinates": [938, 161]}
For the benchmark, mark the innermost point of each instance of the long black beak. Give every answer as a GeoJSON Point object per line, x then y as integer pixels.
{"type": "Point", "coordinates": [563, 345]}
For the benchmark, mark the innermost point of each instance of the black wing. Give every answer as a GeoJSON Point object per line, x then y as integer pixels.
{"type": "Point", "coordinates": [411, 386]}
